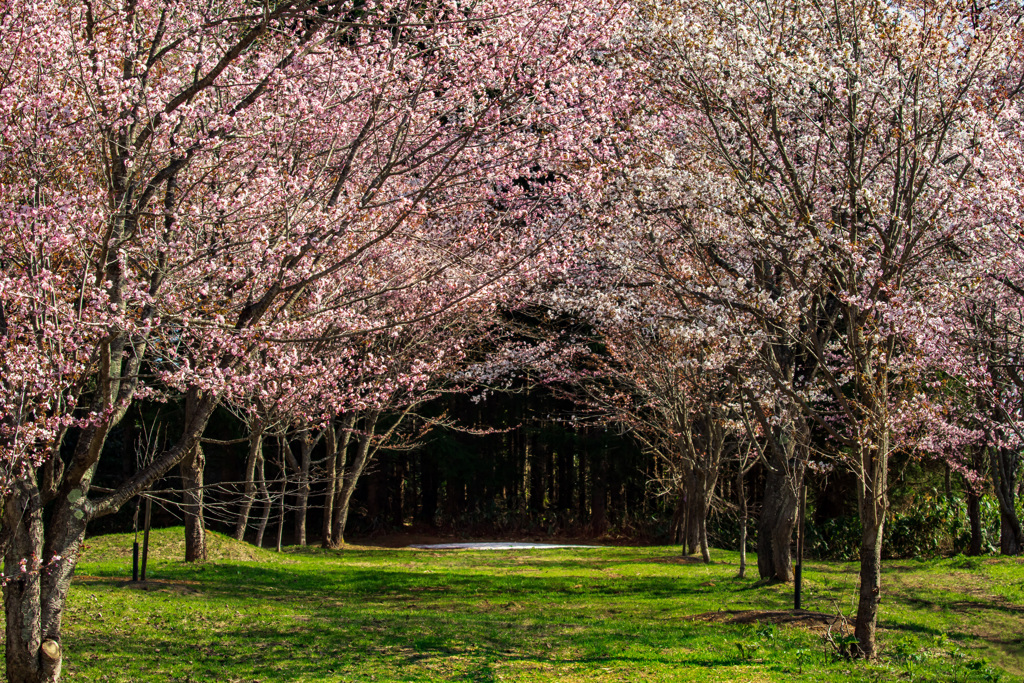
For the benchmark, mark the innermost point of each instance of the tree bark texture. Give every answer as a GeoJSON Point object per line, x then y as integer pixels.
{"type": "Point", "coordinates": [35, 598]}
{"type": "Point", "coordinates": [249, 490]}
{"type": "Point", "coordinates": [192, 496]}
{"type": "Point", "coordinates": [776, 524]}
{"type": "Point", "coordinates": [351, 477]}
{"type": "Point", "coordinates": [1005, 464]}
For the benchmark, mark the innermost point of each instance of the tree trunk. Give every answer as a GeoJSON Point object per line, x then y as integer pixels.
{"type": "Point", "coordinates": [351, 478]}
{"type": "Point", "coordinates": [599, 492]}
{"type": "Point", "coordinates": [249, 492]}
{"type": "Point", "coordinates": [32, 628]}
{"type": "Point", "coordinates": [192, 495]}
{"type": "Point", "coordinates": [866, 622]}
{"type": "Point", "coordinates": [974, 516]}
{"type": "Point", "coordinates": [191, 468]}
{"type": "Point", "coordinates": [1005, 467]}
{"type": "Point", "coordinates": [776, 524]}
{"type": "Point", "coordinates": [34, 599]}
{"type": "Point", "coordinates": [873, 503]}
{"type": "Point", "coordinates": [741, 496]}
{"type": "Point", "coordinates": [265, 496]}
{"type": "Point", "coordinates": [282, 449]}
{"type": "Point", "coordinates": [331, 475]}
{"type": "Point", "coordinates": [307, 442]}
{"type": "Point", "coordinates": [538, 473]}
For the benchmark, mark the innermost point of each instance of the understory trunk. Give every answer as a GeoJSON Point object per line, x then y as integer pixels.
{"type": "Point", "coordinates": [974, 516]}
{"type": "Point", "coordinates": [265, 497]}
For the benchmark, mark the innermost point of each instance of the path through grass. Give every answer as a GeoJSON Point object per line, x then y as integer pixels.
{"type": "Point", "coordinates": [608, 614]}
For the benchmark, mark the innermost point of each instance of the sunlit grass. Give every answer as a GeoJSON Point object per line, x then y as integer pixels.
{"type": "Point", "coordinates": [606, 614]}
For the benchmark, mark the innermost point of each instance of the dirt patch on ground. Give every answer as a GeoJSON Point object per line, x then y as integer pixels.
{"type": "Point", "coordinates": [676, 559]}
{"type": "Point", "coordinates": [180, 587]}
{"type": "Point", "coordinates": [814, 621]}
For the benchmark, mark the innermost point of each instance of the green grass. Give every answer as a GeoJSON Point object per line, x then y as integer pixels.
{"type": "Point", "coordinates": [608, 614]}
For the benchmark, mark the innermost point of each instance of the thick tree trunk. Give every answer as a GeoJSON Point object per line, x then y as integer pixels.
{"type": "Point", "coordinates": [1005, 471]}
{"type": "Point", "coordinates": [35, 598]}
{"type": "Point", "coordinates": [192, 504]}
{"type": "Point", "coordinates": [694, 518]}
{"type": "Point", "coordinates": [249, 491]}
{"type": "Point", "coordinates": [31, 622]}
{"type": "Point", "coordinates": [873, 504]}
{"type": "Point", "coordinates": [776, 524]}
{"type": "Point", "coordinates": [870, 587]}
{"type": "Point", "coordinates": [351, 478]}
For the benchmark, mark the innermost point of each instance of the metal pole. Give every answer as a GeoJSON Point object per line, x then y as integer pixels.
{"type": "Point", "coordinates": [145, 535]}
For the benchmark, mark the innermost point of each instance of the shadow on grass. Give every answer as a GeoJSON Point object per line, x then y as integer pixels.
{"type": "Point", "coordinates": [300, 623]}
{"type": "Point", "coordinates": [410, 616]}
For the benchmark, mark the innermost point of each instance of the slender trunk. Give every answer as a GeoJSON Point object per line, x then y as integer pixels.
{"type": "Point", "coordinates": [974, 516]}
{"type": "Point", "coordinates": [599, 493]}
{"type": "Point", "coordinates": [705, 553]}
{"type": "Point", "coordinates": [331, 474]}
{"type": "Point", "coordinates": [742, 500]}
{"type": "Point", "coordinates": [265, 497]}
{"type": "Point", "coordinates": [249, 492]}
{"type": "Point", "coordinates": [282, 449]}
{"type": "Point", "coordinates": [694, 512]}
{"type": "Point", "coordinates": [351, 478]}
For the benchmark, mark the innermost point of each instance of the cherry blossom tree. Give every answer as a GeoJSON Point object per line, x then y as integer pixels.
{"type": "Point", "coordinates": [833, 153]}
{"type": "Point", "coordinates": [185, 185]}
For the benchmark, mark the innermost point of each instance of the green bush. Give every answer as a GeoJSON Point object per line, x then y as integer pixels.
{"type": "Point", "coordinates": [920, 524]}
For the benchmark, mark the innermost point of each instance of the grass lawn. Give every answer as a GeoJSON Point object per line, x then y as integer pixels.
{"type": "Point", "coordinates": [606, 614]}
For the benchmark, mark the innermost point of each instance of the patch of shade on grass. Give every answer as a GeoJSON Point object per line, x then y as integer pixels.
{"type": "Point", "coordinates": [604, 614]}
